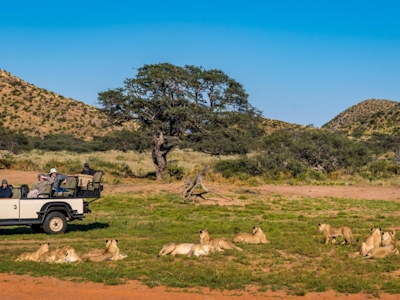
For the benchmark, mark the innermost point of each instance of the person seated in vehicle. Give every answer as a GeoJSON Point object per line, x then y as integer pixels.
{"type": "Point", "coordinates": [5, 190]}
{"type": "Point", "coordinates": [39, 187]}
{"type": "Point", "coordinates": [87, 170]}
{"type": "Point", "coordinates": [57, 179]}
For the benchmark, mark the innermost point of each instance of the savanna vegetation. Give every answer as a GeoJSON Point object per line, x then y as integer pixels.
{"type": "Point", "coordinates": [295, 261]}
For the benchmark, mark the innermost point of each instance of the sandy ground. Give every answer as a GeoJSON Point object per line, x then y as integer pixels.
{"type": "Point", "coordinates": [26, 287]}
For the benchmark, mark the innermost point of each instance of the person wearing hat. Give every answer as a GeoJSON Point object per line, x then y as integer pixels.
{"type": "Point", "coordinates": [87, 170]}
{"type": "Point", "coordinates": [5, 190]}
{"type": "Point", "coordinates": [56, 179]}
{"type": "Point", "coordinates": [41, 184]}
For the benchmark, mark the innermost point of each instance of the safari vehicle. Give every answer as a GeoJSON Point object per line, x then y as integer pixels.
{"type": "Point", "coordinates": [51, 211]}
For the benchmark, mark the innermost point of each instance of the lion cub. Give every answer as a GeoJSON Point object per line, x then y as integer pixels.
{"type": "Point", "coordinates": [333, 232]}
{"type": "Point", "coordinates": [175, 249]}
{"type": "Point", "coordinates": [202, 250]}
{"type": "Point", "coordinates": [34, 256]}
{"type": "Point", "coordinates": [257, 236]}
{"type": "Point", "coordinates": [389, 246]}
{"type": "Point", "coordinates": [110, 253]}
{"type": "Point", "coordinates": [220, 244]}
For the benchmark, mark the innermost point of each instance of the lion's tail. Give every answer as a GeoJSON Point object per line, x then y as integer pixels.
{"type": "Point", "coordinates": [352, 238]}
{"type": "Point", "coordinates": [238, 248]}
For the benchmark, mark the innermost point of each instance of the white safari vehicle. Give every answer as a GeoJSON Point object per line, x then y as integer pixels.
{"type": "Point", "coordinates": [51, 211]}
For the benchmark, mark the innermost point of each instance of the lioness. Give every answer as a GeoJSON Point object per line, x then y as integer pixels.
{"type": "Point", "coordinates": [174, 249]}
{"type": "Point", "coordinates": [67, 255]}
{"type": "Point", "coordinates": [202, 250]}
{"type": "Point", "coordinates": [220, 244]}
{"type": "Point", "coordinates": [333, 232]}
{"type": "Point", "coordinates": [110, 253]}
{"type": "Point", "coordinates": [389, 246]}
{"type": "Point", "coordinates": [49, 256]}
{"type": "Point", "coordinates": [371, 242]}
{"type": "Point", "coordinates": [34, 256]}
{"type": "Point", "coordinates": [257, 236]}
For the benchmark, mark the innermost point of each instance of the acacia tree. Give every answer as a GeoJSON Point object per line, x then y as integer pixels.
{"type": "Point", "coordinates": [187, 106]}
{"type": "Point", "coordinates": [12, 142]}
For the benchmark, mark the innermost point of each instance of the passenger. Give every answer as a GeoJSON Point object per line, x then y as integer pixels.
{"type": "Point", "coordinates": [57, 179]}
{"type": "Point", "coordinates": [40, 186]}
{"type": "Point", "coordinates": [87, 170]}
{"type": "Point", "coordinates": [5, 190]}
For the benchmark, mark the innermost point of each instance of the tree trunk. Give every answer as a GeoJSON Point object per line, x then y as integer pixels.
{"type": "Point", "coordinates": [159, 155]}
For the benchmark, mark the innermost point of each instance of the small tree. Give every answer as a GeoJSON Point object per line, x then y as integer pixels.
{"type": "Point", "coordinates": [13, 142]}
{"type": "Point", "coordinates": [186, 106]}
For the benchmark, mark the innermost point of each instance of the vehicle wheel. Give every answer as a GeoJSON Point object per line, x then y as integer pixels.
{"type": "Point", "coordinates": [55, 222]}
{"type": "Point", "coordinates": [37, 228]}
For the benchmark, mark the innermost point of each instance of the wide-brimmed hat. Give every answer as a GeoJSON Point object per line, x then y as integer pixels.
{"type": "Point", "coordinates": [4, 181]}
{"type": "Point", "coordinates": [53, 170]}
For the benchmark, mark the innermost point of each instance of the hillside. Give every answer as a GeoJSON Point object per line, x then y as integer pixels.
{"type": "Point", "coordinates": [39, 112]}
{"type": "Point", "coordinates": [367, 117]}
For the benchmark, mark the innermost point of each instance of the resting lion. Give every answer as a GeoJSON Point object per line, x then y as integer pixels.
{"type": "Point", "coordinates": [389, 246]}
{"type": "Point", "coordinates": [49, 256]}
{"type": "Point", "coordinates": [110, 253]}
{"type": "Point", "coordinates": [175, 248]}
{"type": "Point", "coordinates": [371, 242]}
{"type": "Point", "coordinates": [220, 244]}
{"type": "Point", "coordinates": [34, 256]}
{"type": "Point", "coordinates": [334, 232]}
{"type": "Point", "coordinates": [66, 254]}
{"type": "Point", "coordinates": [202, 250]}
{"type": "Point", "coordinates": [257, 236]}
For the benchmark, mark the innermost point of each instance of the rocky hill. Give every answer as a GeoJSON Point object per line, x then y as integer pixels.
{"type": "Point", "coordinates": [39, 112]}
{"type": "Point", "coordinates": [367, 117]}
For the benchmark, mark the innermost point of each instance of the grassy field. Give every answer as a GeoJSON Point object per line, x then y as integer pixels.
{"type": "Point", "coordinates": [295, 261]}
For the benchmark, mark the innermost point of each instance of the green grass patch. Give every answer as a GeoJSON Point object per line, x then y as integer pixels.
{"type": "Point", "coordinates": [296, 260]}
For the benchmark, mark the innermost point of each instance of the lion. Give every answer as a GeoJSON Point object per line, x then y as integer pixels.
{"type": "Point", "coordinates": [257, 236]}
{"type": "Point", "coordinates": [67, 255]}
{"type": "Point", "coordinates": [49, 256]}
{"type": "Point", "coordinates": [34, 256]}
{"type": "Point", "coordinates": [110, 253]}
{"type": "Point", "coordinates": [371, 242]}
{"type": "Point", "coordinates": [333, 232]}
{"type": "Point", "coordinates": [389, 246]}
{"type": "Point", "coordinates": [202, 250]}
{"type": "Point", "coordinates": [175, 248]}
{"type": "Point", "coordinates": [220, 244]}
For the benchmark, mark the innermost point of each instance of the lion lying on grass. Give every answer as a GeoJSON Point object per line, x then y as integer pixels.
{"type": "Point", "coordinates": [333, 232]}
{"type": "Point", "coordinates": [110, 253]}
{"type": "Point", "coordinates": [220, 244]}
{"type": "Point", "coordinates": [175, 249]}
{"type": "Point", "coordinates": [256, 237]}
{"type": "Point", "coordinates": [34, 256]}
{"type": "Point", "coordinates": [202, 250]}
{"type": "Point", "coordinates": [66, 254]}
{"type": "Point", "coordinates": [371, 242]}
{"type": "Point", "coordinates": [389, 246]}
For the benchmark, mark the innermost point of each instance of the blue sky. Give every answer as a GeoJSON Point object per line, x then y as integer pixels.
{"type": "Point", "coordinates": [300, 61]}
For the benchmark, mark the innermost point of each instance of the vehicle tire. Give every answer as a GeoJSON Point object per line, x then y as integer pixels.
{"type": "Point", "coordinates": [55, 222]}
{"type": "Point", "coordinates": [37, 228]}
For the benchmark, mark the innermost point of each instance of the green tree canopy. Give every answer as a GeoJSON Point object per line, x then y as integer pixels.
{"type": "Point", "coordinates": [187, 106]}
